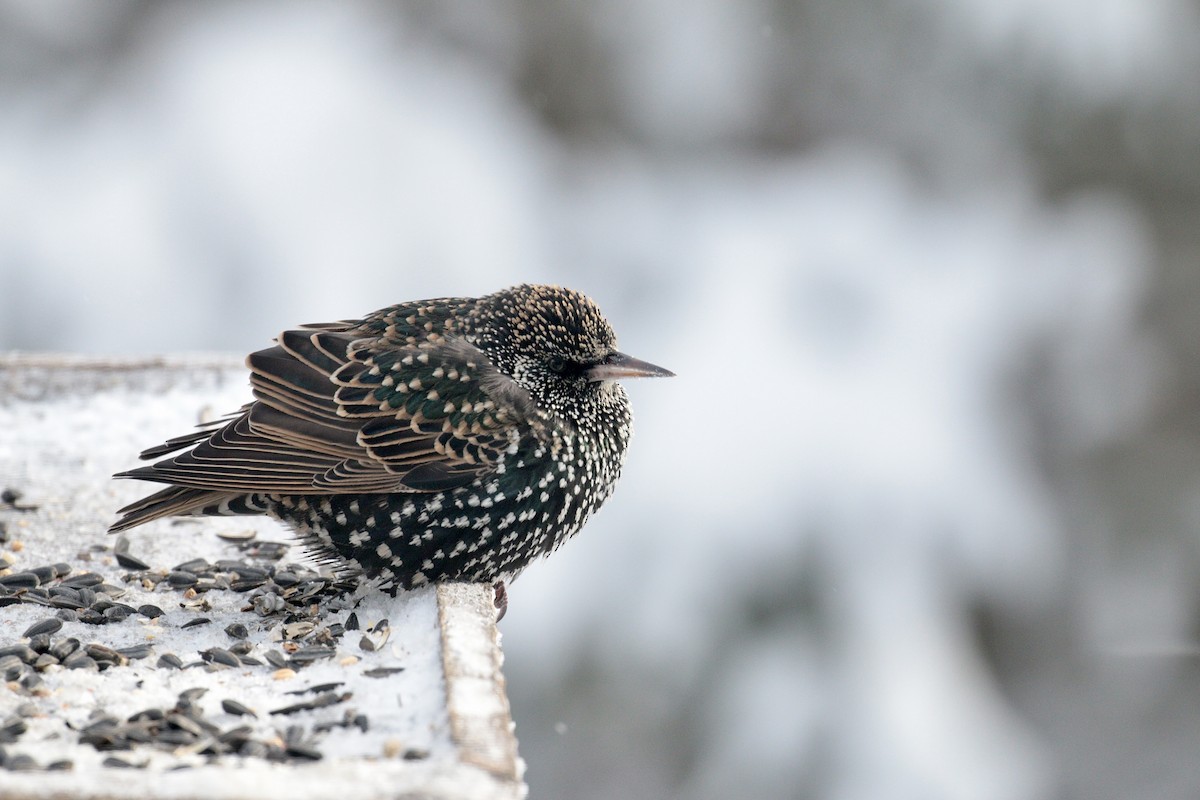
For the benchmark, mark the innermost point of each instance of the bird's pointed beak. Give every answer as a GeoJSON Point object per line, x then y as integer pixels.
{"type": "Point", "coordinates": [619, 365]}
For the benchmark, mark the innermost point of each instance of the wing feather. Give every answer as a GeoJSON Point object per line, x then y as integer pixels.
{"type": "Point", "coordinates": [338, 411]}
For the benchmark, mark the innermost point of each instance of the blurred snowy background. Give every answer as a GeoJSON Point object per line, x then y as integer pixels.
{"type": "Point", "coordinates": [918, 518]}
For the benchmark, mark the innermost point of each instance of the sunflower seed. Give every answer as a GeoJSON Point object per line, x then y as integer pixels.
{"type": "Point", "coordinates": [80, 660]}
{"type": "Point", "coordinates": [11, 730]}
{"type": "Point", "coordinates": [21, 651]}
{"type": "Point", "coordinates": [20, 580]}
{"type": "Point", "coordinates": [20, 763]}
{"type": "Point", "coordinates": [64, 647]}
{"type": "Point", "coordinates": [236, 708]}
{"type": "Point", "coordinates": [135, 651]}
{"type": "Point", "coordinates": [91, 616]}
{"type": "Point", "coordinates": [48, 625]}
{"type": "Point", "coordinates": [382, 672]}
{"type": "Point", "coordinates": [132, 562]}
{"type": "Point", "coordinates": [218, 655]}
{"type": "Point", "coordinates": [170, 661]}
{"type": "Point", "coordinates": [83, 580]}
{"type": "Point", "coordinates": [243, 535]}
{"type": "Point", "coordinates": [181, 579]}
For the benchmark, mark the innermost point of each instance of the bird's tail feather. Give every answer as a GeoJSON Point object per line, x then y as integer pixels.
{"type": "Point", "coordinates": [177, 501]}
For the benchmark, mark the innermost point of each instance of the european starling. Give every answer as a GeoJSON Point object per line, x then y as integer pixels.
{"type": "Point", "coordinates": [453, 439]}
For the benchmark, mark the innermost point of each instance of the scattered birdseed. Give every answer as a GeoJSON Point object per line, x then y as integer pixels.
{"type": "Point", "coordinates": [304, 751]}
{"type": "Point", "coordinates": [66, 603]}
{"type": "Point", "coordinates": [64, 647]}
{"type": "Point", "coordinates": [135, 652]}
{"type": "Point", "coordinates": [83, 580]}
{"type": "Point", "coordinates": [11, 730]}
{"type": "Point", "coordinates": [20, 763]}
{"type": "Point", "coordinates": [267, 604]}
{"type": "Point", "coordinates": [38, 597]}
{"type": "Point", "coordinates": [350, 719]}
{"type": "Point", "coordinates": [320, 701]}
{"type": "Point", "coordinates": [297, 597]}
{"type": "Point", "coordinates": [275, 659]}
{"type": "Point", "coordinates": [382, 672]}
{"type": "Point", "coordinates": [270, 551]}
{"type": "Point", "coordinates": [19, 580]}
{"type": "Point", "coordinates": [21, 651]}
{"type": "Point", "coordinates": [45, 573]}
{"type": "Point", "coordinates": [170, 661]}
{"type": "Point", "coordinates": [131, 562]}
{"type": "Point", "coordinates": [91, 616]}
{"type": "Point", "coordinates": [237, 709]}
{"type": "Point", "coordinates": [221, 656]}
{"type": "Point", "coordinates": [319, 688]}
{"type": "Point", "coordinates": [237, 536]}
{"type": "Point", "coordinates": [307, 655]}
{"type": "Point", "coordinates": [180, 579]}
{"type": "Point", "coordinates": [189, 696]}
{"type": "Point", "coordinates": [80, 660]}
{"type": "Point", "coordinates": [104, 655]}
{"type": "Point", "coordinates": [10, 496]}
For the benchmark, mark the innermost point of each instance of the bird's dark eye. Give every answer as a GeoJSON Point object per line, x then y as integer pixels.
{"type": "Point", "coordinates": [557, 364]}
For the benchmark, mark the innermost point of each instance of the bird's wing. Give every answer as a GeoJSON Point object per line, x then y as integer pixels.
{"type": "Point", "coordinates": [336, 413]}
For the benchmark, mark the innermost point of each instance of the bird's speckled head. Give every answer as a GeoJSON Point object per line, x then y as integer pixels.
{"type": "Point", "coordinates": [539, 333]}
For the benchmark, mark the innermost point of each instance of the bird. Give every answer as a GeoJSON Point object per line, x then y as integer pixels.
{"type": "Point", "coordinates": [454, 439]}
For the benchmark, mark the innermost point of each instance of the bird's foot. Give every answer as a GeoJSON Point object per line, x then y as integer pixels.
{"type": "Point", "coordinates": [501, 600]}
